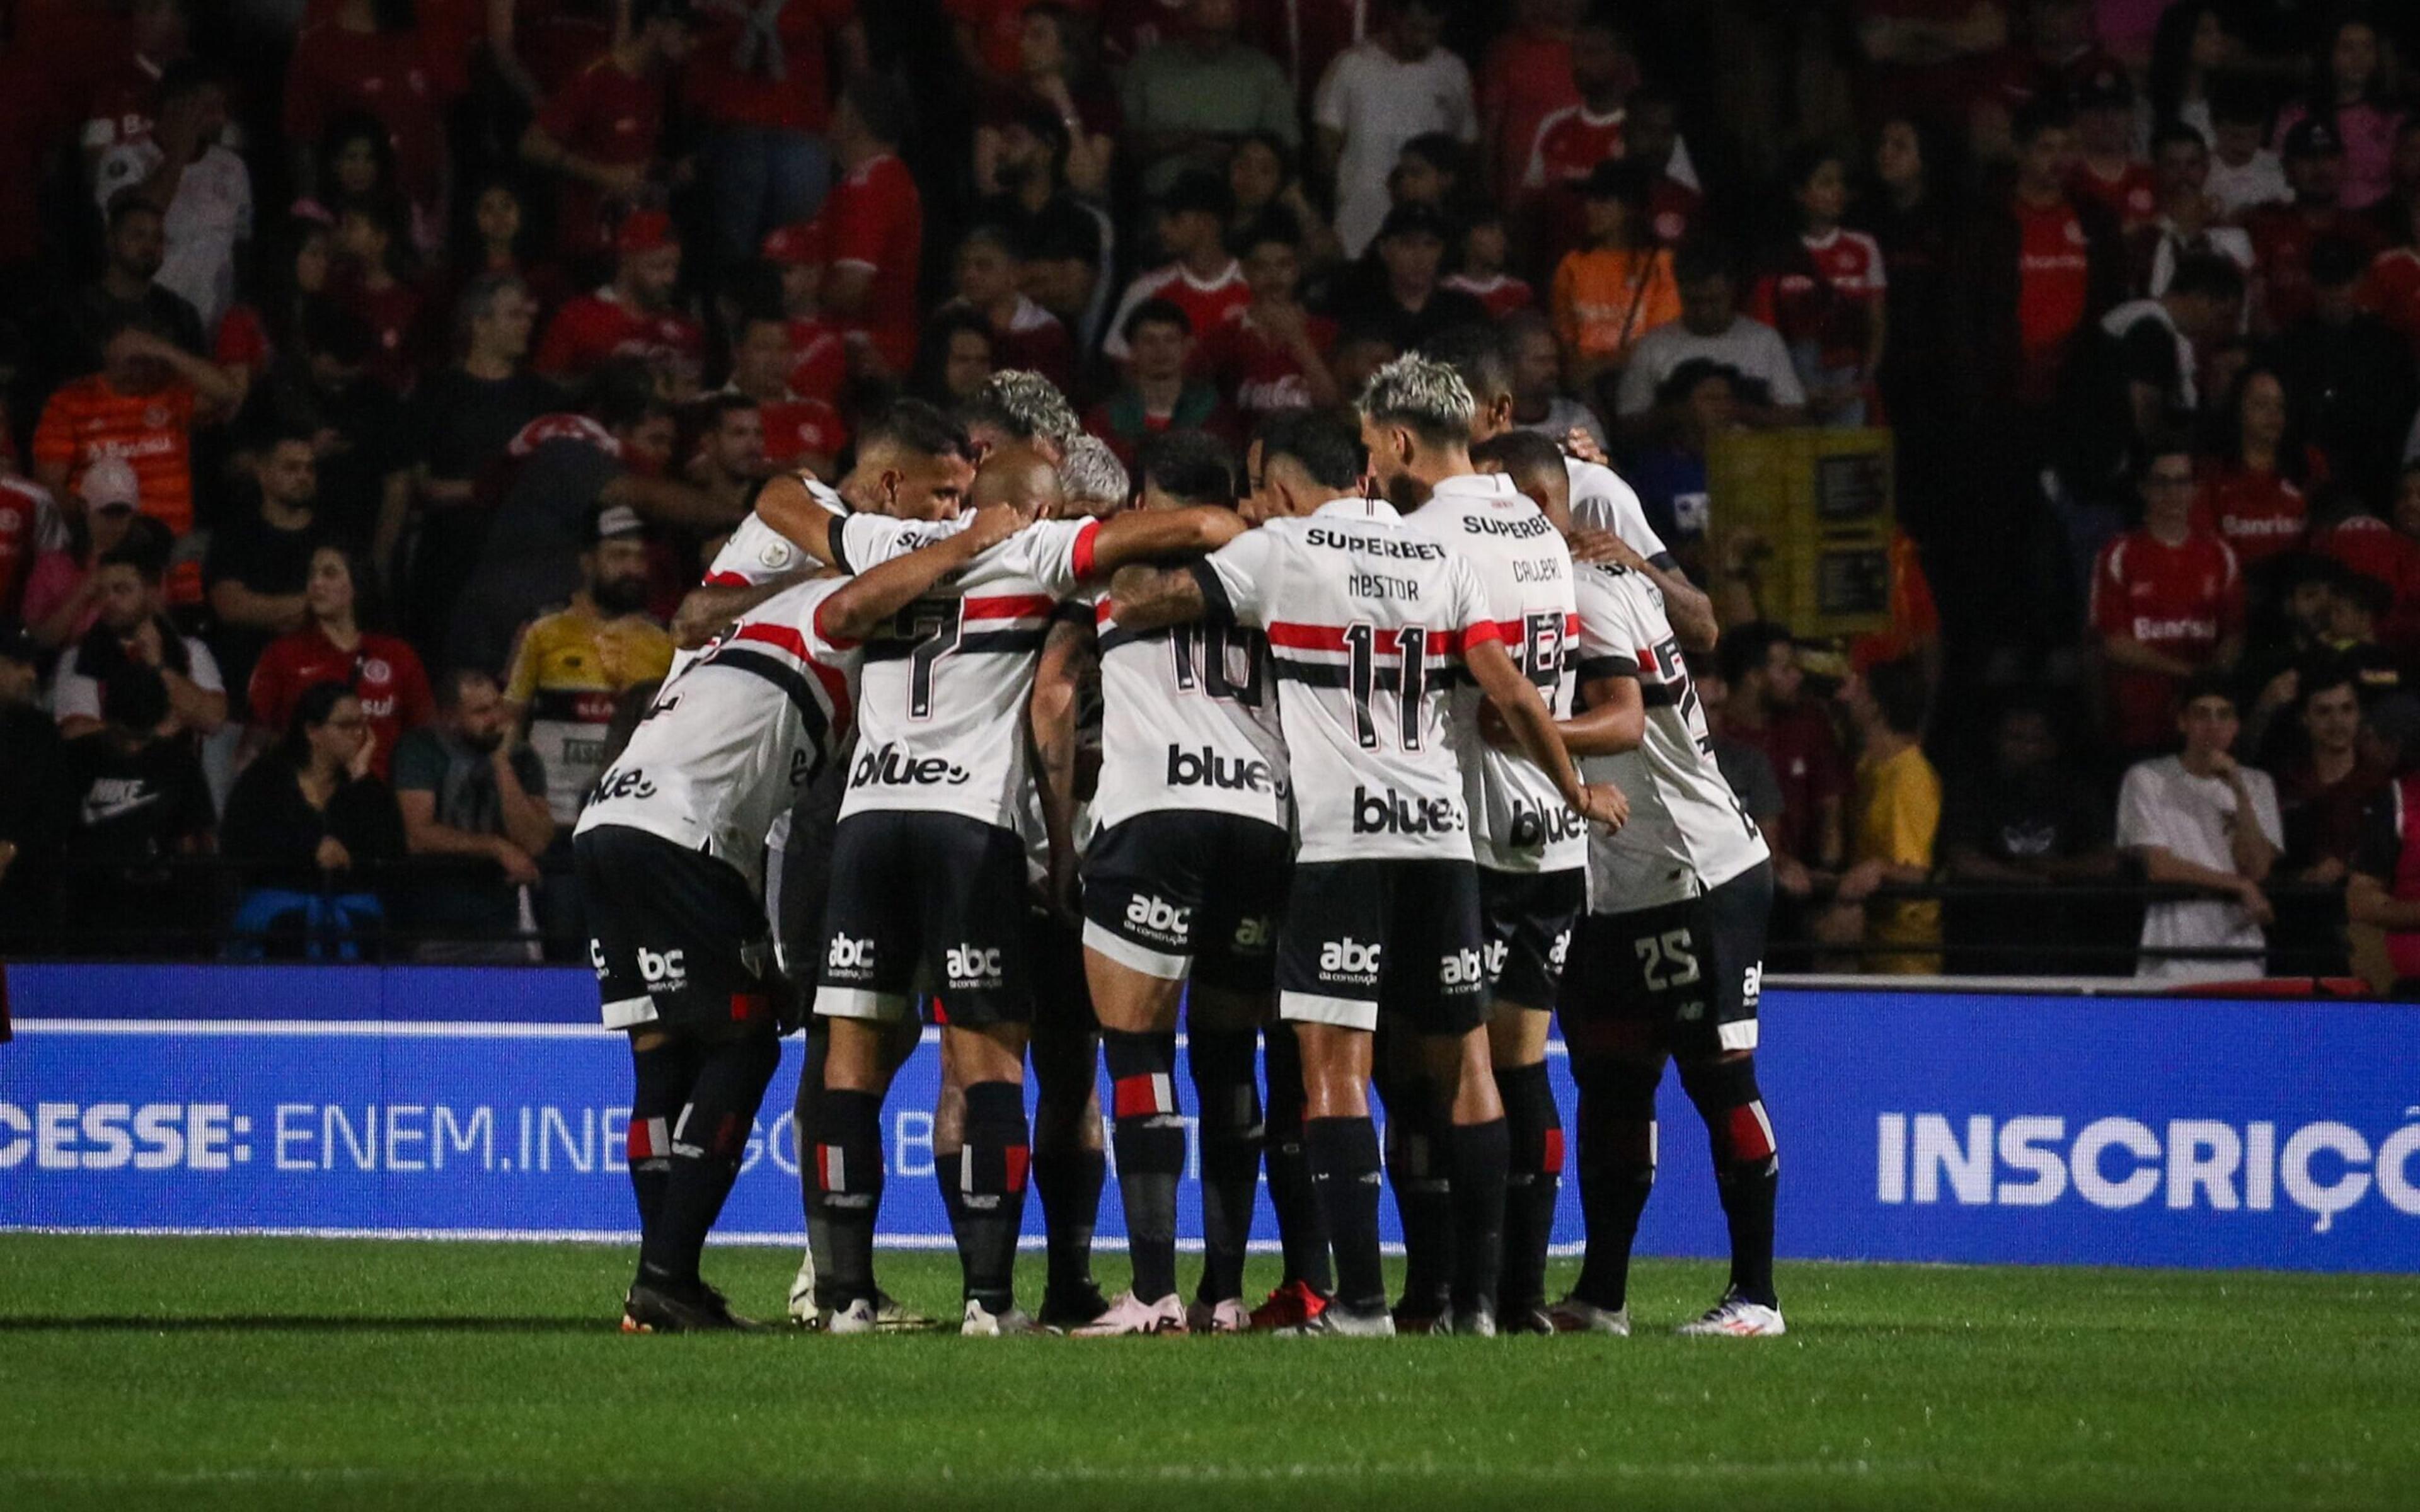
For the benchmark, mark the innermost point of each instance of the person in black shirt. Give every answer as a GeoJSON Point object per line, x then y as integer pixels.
{"type": "Point", "coordinates": [1396, 293]}
{"type": "Point", "coordinates": [307, 819]}
{"type": "Point", "coordinates": [259, 562]}
{"type": "Point", "coordinates": [127, 289]}
{"type": "Point", "coordinates": [33, 821]}
{"type": "Point", "coordinates": [2349, 375]}
{"type": "Point", "coordinates": [2029, 822]}
{"type": "Point", "coordinates": [359, 431]}
{"type": "Point", "coordinates": [135, 799]}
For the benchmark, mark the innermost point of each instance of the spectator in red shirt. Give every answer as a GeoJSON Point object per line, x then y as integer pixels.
{"type": "Point", "coordinates": [876, 219]}
{"type": "Point", "coordinates": [1202, 278]}
{"type": "Point", "coordinates": [383, 672]}
{"type": "Point", "coordinates": [603, 130]}
{"type": "Point", "coordinates": [818, 350]}
{"type": "Point", "coordinates": [2283, 236]}
{"type": "Point", "coordinates": [633, 317]}
{"type": "Point", "coordinates": [2167, 603]}
{"type": "Point", "coordinates": [1269, 355]}
{"type": "Point", "coordinates": [759, 78]}
{"type": "Point", "coordinates": [799, 432]}
{"type": "Point", "coordinates": [2044, 263]}
{"type": "Point", "coordinates": [121, 110]}
{"type": "Point", "coordinates": [1825, 293]}
{"type": "Point", "coordinates": [989, 280]}
{"type": "Point", "coordinates": [1767, 710]}
{"type": "Point", "coordinates": [1158, 395]}
{"type": "Point", "coordinates": [1526, 77]}
{"type": "Point", "coordinates": [1486, 247]}
{"type": "Point", "coordinates": [2106, 169]}
{"type": "Point", "coordinates": [372, 280]}
{"type": "Point", "coordinates": [2250, 493]}
{"type": "Point", "coordinates": [357, 61]}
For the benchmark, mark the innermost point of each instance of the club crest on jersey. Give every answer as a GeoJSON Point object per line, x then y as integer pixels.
{"type": "Point", "coordinates": [971, 966]}
{"type": "Point", "coordinates": [1207, 768]}
{"type": "Point", "coordinates": [1350, 960]}
{"type": "Point", "coordinates": [892, 767]}
{"type": "Point", "coordinates": [1391, 813]}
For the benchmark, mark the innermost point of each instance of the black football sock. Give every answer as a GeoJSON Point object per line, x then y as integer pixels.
{"type": "Point", "coordinates": [1747, 1167]}
{"type": "Point", "coordinates": [1345, 1173]}
{"type": "Point", "coordinates": [1302, 1233]}
{"type": "Point", "coordinates": [1535, 1130]}
{"type": "Point", "coordinates": [991, 1189]}
{"type": "Point", "coordinates": [1150, 1133]}
{"type": "Point", "coordinates": [709, 1136]}
{"type": "Point", "coordinates": [1416, 1167]}
{"type": "Point", "coordinates": [1479, 1153]}
{"type": "Point", "coordinates": [847, 1177]}
{"type": "Point", "coordinates": [1230, 1102]}
{"type": "Point", "coordinates": [1069, 1183]}
{"type": "Point", "coordinates": [661, 1083]}
{"type": "Point", "coordinates": [806, 1116]}
{"type": "Point", "coordinates": [1617, 1154]}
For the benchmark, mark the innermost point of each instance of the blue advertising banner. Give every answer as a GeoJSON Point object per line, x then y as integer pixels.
{"type": "Point", "coordinates": [1934, 1127]}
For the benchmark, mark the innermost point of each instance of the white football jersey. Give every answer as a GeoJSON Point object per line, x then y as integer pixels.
{"type": "Point", "coordinates": [1518, 819]}
{"type": "Point", "coordinates": [755, 554]}
{"type": "Point", "coordinates": [731, 740]}
{"type": "Point", "coordinates": [1688, 833]}
{"type": "Point", "coordinates": [1189, 722]}
{"type": "Point", "coordinates": [1602, 501]}
{"type": "Point", "coordinates": [1366, 622]}
{"type": "Point", "coordinates": [942, 712]}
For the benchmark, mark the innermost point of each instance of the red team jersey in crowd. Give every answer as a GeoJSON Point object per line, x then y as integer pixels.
{"type": "Point", "coordinates": [819, 359]}
{"type": "Point", "coordinates": [1206, 303]}
{"type": "Point", "coordinates": [2373, 547]}
{"type": "Point", "coordinates": [2259, 513]}
{"type": "Point", "coordinates": [2053, 287]}
{"type": "Point", "coordinates": [608, 116]}
{"type": "Point", "coordinates": [1806, 762]}
{"type": "Point", "coordinates": [2282, 238]}
{"type": "Point", "coordinates": [2181, 600]}
{"type": "Point", "coordinates": [1259, 376]}
{"type": "Point", "coordinates": [1500, 292]}
{"type": "Point", "coordinates": [1570, 143]}
{"type": "Point", "coordinates": [799, 100]}
{"type": "Point", "coordinates": [2132, 197]}
{"type": "Point", "coordinates": [877, 221]}
{"type": "Point", "coordinates": [796, 430]}
{"type": "Point", "coordinates": [592, 329]}
{"type": "Point", "coordinates": [87, 420]}
{"type": "Point", "coordinates": [389, 75]}
{"type": "Point", "coordinates": [22, 508]}
{"type": "Point", "coordinates": [2392, 291]}
{"type": "Point", "coordinates": [383, 672]}
{"type": "Point", "coordinates": [1827, 297]}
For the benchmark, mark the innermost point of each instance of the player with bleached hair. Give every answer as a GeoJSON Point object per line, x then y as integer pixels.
{"type": "Point", "coordinates": [1018, 406]}
{"type": "Point", "coordinates": [1093, 479]}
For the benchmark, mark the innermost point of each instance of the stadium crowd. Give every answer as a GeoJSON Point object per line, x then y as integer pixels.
{"type": "Point", "coordinates": [379, 377]}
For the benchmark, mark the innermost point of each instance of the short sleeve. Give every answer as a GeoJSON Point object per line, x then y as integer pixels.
{"type": "Point", "coordinates": [1058, 553]}
{"type": "Point", "coordinates": [858, 217]}
{"type": "Point", "coordinates": [2139, 811]}
{"type": "Point", "coordinates": [1779, 372]}
{"type": "Point", "coordinates": [1473, 617]}
{"type": "Point", "coordinates": [72, 694]}
{"type": "Point", "coordinates": [521, 683]}
{"type": "Point", "coordinates": [867, 541]}
{"type": "Point", "coordinates": [415, 702]}
{"type": "Point", "coordinates": [202, 668]}
{"type": "Point", "coordinates": [1609, 637]}
{"type": "Point", "coordinates": [2263, 794]}
{"type": "Point", "coordinates": [1609, 503]}
{"type": "Point", "coordinates": [1915, 815]}
{"type": "Point", "coordinates": [1240, 577]}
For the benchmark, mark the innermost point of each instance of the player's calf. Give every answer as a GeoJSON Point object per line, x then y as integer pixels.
{"type": "Point", "coordinates": [709, 1136]}
{"type": "Point", "coordinates": [1617, 1167]}
{"type": "Point", "coordinates": [1747, 1167]}
{"type": "Point", "coordinates": [1150, 1136]}
{"type": "Point", "coordinates": [1228, 1096]}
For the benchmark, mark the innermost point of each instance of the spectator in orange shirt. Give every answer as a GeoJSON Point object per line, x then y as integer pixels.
{"type": "Point", "coordinates": [1620, 286]}
{"type": "Point", "coordinates": [141, 407]}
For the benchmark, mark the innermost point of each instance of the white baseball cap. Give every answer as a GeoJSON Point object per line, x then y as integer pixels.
{"type": "Point", "coordinates": [110, 483]}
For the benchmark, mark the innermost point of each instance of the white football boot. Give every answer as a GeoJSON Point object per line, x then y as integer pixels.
{"type": "Point", "coordinates": [1227, 1317]}
{"type": "Point", "coordinates": [1572, 1316]}
{"type": "Point", "coordinates": [1127, 1316]}
{"type": "Point", "coordinates": [857, 1318]}
{"type": "Point", "coordinates": [1735, 1316]}
{"type": "Point", "coordinates": [1336, 1321]}
{"type": "Point", "coordinates": [803, 1309]}
{"type": "Point", "coordinates": [980, 1322]}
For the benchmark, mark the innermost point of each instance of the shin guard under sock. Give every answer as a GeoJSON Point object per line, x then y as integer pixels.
{"type": "Point", "coordinates": [1149, 1134]}
{"type": "Point", "coordinates": [1478, 1152]}
{"type": "Point", "coordinates": [661, 1083]}
{"type": "Point", "coordinates": [1747, 1167]}
{"type": "Point", "coordinates": [1302, 1233]}
{"type": "Point", "coordinates": [1230, 1103]}
{"type": "Point", "coordinates": [708, 1140]}
{"type": "Point", "coordinates": [1345, 1173]}
{"type": "Point", "coordinates": [1418, 1167]}
{"type": "Point", "coordinates": [1617, 1160]}
{"type": "Point", "coordinates": [846, 1176]}
{"type": "Point", "coordinates": [1535, 1130]}
{"type": "Point", "coordinates": [991, 1188]}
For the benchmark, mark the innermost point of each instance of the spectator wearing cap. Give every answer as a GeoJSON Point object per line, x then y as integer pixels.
{"type": "Point", "coordinates": [202, 190]}
{"type": "Point", "coordinates": [469, 788]}
{"type": "Point", "coordinates": [141, 407]}
{"type": "Point", "coordinates": [876, 222]}
{"type": "Point", "coordinates": [136, 798]}
{"type": "Point", "coordinates": [758, 78]}
{"type": "Point", "coordinates": [989, 280]}
{"type": "Point", "coordinates": [1398, 85]}
{"type": "Point", "coordinates": [799, 432]}
{"type": "Point", "coordinates": [2354, 94]}
{"type": "Point", "coordinates": [1713, 329]}
{"type": "Point", "coordinates": [2349, 380]}
{"type": "Point", "coordinates": [333, 646]}
{"type": "Point", "coordinates": [1160, 394]}
{"type": "Point", "coordinates": [33, 820]}
{"type": "Point", "coordinates": [2285, 236]}
{"type": "Point", "coordinates": [602, 132]}
{"type": "Point", "coordinates": [2200, 819]}
{"type": "Point", "coordinates": [2106, 170]}
{"type": "Point", "coordinates": [572, 667]}
{"type": "Point", "coordinates": [1617, 286]}
{"type": "Point", "coordinates": [259, 561]}
{"type": "Point", "coordinates": [1202, 277]}
{"type": "Point", "coordinates": [62, 599]}
{"type": "Point", "coordinates": [2168, 604]}
{"type": "Point", "coordinates": [818, 351]}
{"type": "Point", "coordinates": [635, 316]}
{"type": "Point", "coordinates": [1193, 94]}
{"type": "Point", "coordinates": [1401, 294]}
{"type": "Point", "coordinates": [559, 468]}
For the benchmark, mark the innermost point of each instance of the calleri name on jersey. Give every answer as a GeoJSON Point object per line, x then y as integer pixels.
{"type": "Point", "coordinates": [940, 719]}
{"type": "Point", "coordinates": [1687, 832]}
{"type": "Point", "coordinates": [734, 736]}
{"type": "Point", "coordinates": [1366, 622]}
{"type": "Point", "coordinates": [1188, 721]}
{"type": "Point", "coordinates": [1518, 819]}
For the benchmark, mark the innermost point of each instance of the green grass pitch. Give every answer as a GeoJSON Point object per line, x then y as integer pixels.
{"type": "Point", "coordinates": [258, 1373]}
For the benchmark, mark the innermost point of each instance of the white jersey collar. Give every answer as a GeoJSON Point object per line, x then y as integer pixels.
{"type": "Point", "coordinates": [1360, 509]}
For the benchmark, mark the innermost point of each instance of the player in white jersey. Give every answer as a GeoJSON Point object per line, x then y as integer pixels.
{"type": "Point", "coordinates": [1369, 625]}
{"type": "Point", "coordinates": [928, 840]}
{"type": "Point", "coordinates": [670, 853]}
{"type": "Point", "coordinates": [1183, 877]}
{"type": "Point", "coordinates": [1670, 962]}
{"type": "Point", "coordinates": [1602, 504]}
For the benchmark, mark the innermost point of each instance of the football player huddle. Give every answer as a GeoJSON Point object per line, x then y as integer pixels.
{"type": "Point", "coordinates": [1360, 768]}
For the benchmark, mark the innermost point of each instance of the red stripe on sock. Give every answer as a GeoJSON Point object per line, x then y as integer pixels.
{"type": "Point", "coordinates": [1748, 1139]}
{"type": "Point", "coordinates": [1016, 1158]}
{"type": "Point", "coordinates": [1136, 1097]}
{"type": "Point", "coordinates": [1551, 1159]}
{"type": "Point", "coordinates": [641, 1146]}
{"type": "Point", "coordinates": [747, 1006]}
{"type": "Point", "coordinates": [823, 1168]}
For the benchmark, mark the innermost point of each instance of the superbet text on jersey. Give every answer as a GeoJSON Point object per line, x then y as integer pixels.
{"type": "Point", "coordinates": [1519, 822]}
